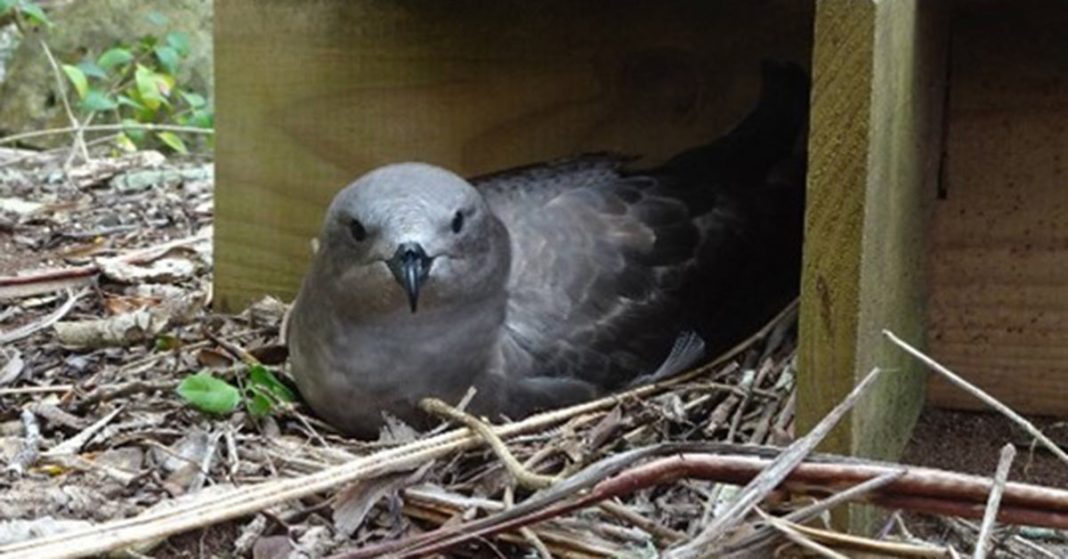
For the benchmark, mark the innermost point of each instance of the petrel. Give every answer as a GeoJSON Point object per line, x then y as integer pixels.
{"type": "Point", "coordinates": [549, 284]}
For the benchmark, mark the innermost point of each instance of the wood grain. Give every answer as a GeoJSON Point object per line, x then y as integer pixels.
{"type": "Point", "coordinates": [873, 158]}
{"type": "Point", "coordinates": [310, 94]}
{"type": "Point", "coordinates": [998, 308]}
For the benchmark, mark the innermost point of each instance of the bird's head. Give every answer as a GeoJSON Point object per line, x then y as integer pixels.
{"type": "Point", "coordinates": [412, 236]}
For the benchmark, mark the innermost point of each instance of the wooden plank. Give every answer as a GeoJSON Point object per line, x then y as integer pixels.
{"type": "Point", "coordinates": [874, 148]}
{"type": "Point", "coordinates": [310, 94]}
{"type": "Point", "coordinates": [998, 309]}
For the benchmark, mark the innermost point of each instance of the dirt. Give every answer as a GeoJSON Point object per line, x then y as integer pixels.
{"type": "Point", "coordinates": [970, 442]}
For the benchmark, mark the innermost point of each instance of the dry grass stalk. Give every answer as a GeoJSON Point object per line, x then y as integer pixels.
{"type": "Point", "coordinates": [981, 395]}
{"type": "Point", "coordinates": [1001, 476]}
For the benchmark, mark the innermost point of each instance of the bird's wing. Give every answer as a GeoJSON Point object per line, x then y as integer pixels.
{"type": "Point", "coordinates": [599, 258]}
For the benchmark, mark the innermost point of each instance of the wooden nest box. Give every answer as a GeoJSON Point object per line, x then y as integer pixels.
{"type": "Point", "coordinates": [936, 199]}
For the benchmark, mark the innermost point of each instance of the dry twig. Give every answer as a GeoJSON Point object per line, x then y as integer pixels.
{"type": "Point", "coordinates": [986, 532]}
{"type": "Point", "coordinates": [983, 396]}
{"type": "Point", "coordinates": [768, 479]}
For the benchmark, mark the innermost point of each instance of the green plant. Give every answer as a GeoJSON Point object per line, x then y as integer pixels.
{"type": "Point", "coordinates": [261, 392]}
{"type": "Point", "coordinates": [31, 11]}
{"type": "Point", "coordinates": [136, 83]}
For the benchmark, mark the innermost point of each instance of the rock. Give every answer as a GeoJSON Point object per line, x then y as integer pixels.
{"type": "Point", "coordinates": [29, 99]}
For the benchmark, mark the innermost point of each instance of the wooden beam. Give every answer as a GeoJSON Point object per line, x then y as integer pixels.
{"type": "Point", "coordinates": [874, 151]}
{"type": "Point", "coordinates": [311, 94]}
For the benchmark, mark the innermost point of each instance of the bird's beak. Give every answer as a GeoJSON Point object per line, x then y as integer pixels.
{"type": "Point", "coordinates": [410, 266]}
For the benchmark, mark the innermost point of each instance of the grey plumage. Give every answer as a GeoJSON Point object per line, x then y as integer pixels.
{"type": "Point", "coordinates": [545, 285]}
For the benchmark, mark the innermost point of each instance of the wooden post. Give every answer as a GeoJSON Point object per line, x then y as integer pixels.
{"type": "Point", "coordinates": [874, 153]}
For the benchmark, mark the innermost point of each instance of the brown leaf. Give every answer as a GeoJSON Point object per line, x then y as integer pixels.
{"type": "Point", "coordinates": [118, 304]}
{"type": "Point", "coordinates": [213, 358]}
{"type": "Point", "coordinates": [273, 354]}
{"type": "Point", "coordinates": [273, 547]}
{"type": "Point", "coordinates": [353, 503]}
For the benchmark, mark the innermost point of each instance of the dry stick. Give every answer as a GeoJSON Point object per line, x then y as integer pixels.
{"type": "Point", "coordinates": [1001, 476]}
{"type": "Point", "coordinates": [36, 389]}
{"type": "Point", "coordinates": [761, 485]}
{"type": "Point", "coordinates": [75, 443]}
{"type": "Point", "coordinates": [979, 393]}
{"type": "Point", "coordinates": [920, 489]}
{"type": "Point", "coordinates": [31, 444]}
{"type": "Point", "coordinates": [56, 316]}
{"type": "Point", "coordinates": [1013, 538]}
{"type": "Point", "coordinates": [522, 475]}
{"type": "Point", "coordinates": [759, 540]}
{"type": "Point", "coordinates": [788, 530]}
{"type": "Point", "coordinates": [532, 539]}
{"type": "Point", "coordinates": [24, 285]}
{"type": "Point", "coordinates": [622, 512]}
{"type": "Point", "coordinates": [880, 548]}
{"type": "Point", "coordinates": [53, 153]}
{"type": "Point", "coordinates": [79, 142]}
{"type": "Point", "coordinates": [106, 128]}
{"type": "Point", "coordinates": [559, 544]}
{"type": "Point", "coordinates": [545, 504]}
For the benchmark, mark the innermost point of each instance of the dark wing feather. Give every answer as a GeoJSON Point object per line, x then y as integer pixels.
{"type": "Point", "coordinates": [597, 277]}
{"type": "Point", "coordinates": [611, 266]}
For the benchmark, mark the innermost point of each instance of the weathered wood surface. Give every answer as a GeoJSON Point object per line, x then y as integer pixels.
{"type": "Point", "coordinates": [874, 149]}
{"type": "Point", "coordinates": [311, 94]}
{"type": "Point", "coordinates": [998, 265]}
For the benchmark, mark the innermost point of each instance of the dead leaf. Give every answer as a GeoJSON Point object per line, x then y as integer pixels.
{"type": "Point", "coordinates": [273, 547]}
{"type": "Point", "coordinates": [213, 358]}
{"type": "Point", "coordinates": [117, 304]}
{"type": "Point", "coordinates": [127, 458]}
{"type": "Point", "coordinates": [129, 328]}
{"type": "Point", "coordinates": [13, 368]}
{"type": "Point", "coordinates": [21, 208]}
{"type": "Point", "coordinates": [14, 531]}
{"type": "Point", "coordinates": [169, 269]}
{"type": "Point", "coordinates": [353, 503]}
{"type": "Point", "coordinates": [395, 431]}
{"type": "Point", "coordinates": [273, 354]}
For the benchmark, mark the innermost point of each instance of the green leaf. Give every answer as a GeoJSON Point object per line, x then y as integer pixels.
{"type": "Point", "coordinates": [167, 342]}
{"type": "Point", "coordinates": [127, 102]}
{"type": "Point", "coordinates": [147, 87]}
{"type": "Point", "coordinates": [133, 129]}
{"type": "Point", "coordinates": [194, 100]}
{"type": "Point", "coordinates": [35, 13]}
{"type": "Point", "coordinates": [263, 377]}
{"type": "Point", "coordinates": [173, 141]}
{"type": "Point", "coordinates": [90, 68]}
{"type": "Point", "coordinates": [168, 58]}
{"type": "Point", "coordinates": [125, 143]}
{"type": "Point", "coordinates": [156, 18]}
{"type": "Point", "coordinates": [209, 394]}
{"type": "Point", "coordinates": [6, 5]}
{"type": "Point", "coordinates": [198, 118]}
{"type": "Point", "coordinates": [114, 57]}
{"type": "Point", "coordinates": [77, 79]}
{"type": "Point", "coordinates": [178, 41]}
{"type": "Point", "coordinates": [259, 405]}
{"type": "Point", "coordinates": [97, 100]}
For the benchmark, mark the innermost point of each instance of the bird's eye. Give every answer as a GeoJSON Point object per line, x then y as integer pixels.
{"type": "Point", "coordinates": [358, 231]}
{"type": "Point", "coordinates": [457, 222]}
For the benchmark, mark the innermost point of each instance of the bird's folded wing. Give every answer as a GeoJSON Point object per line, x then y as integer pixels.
{"type": "Point", "coordinates": [597, 262]}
